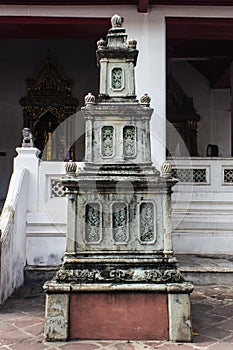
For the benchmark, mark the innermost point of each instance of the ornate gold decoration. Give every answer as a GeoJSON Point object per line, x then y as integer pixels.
{"type": "Point", "coordinates": [48, 104]}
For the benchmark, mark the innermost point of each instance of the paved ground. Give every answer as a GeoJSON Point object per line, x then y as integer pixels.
{"type": "Point", "coordinates": [22, 322]}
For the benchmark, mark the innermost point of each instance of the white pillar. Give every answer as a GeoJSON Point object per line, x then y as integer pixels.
{"type": "Point", "coordinates": [150, 31]}
{"type": "Point", "coordinates": [27, 158]}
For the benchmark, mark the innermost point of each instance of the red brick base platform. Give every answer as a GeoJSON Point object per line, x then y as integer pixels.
{"type": "Point", "coordinates": [120, 316]}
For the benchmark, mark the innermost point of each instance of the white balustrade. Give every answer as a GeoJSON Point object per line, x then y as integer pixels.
{"type": "Point", "coordinates": [202, 205]}
{"type": "Point", "coordinates": [13, 234]}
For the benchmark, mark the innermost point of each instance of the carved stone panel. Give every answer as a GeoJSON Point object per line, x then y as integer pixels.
{"type": "Point", "coordinates": [107, 138]}
{"type": "Point", "coordinates": [147, 222]}
{"type": "Point", "coordinates": [119, 222]}
{"type": "Point", "coordinates": [117, 78]}
{"type": "Point", "coordinates": [129, 141]}
{"type": "Point", "coordinates": [92, 223]}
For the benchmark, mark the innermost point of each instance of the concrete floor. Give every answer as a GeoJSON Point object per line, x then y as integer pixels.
{"type": "Point", "coordinates": [22, 323]}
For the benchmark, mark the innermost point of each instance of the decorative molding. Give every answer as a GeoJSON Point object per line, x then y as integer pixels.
{"type": "Point", "coordinates": [134, 275]}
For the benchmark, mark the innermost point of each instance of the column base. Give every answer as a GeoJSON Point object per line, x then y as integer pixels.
{"type": "Point", "coordinates": [118, 312]}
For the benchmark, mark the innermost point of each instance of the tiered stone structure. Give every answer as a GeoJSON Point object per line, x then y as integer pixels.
{"type": "Point", "coordinates": [118, 279]}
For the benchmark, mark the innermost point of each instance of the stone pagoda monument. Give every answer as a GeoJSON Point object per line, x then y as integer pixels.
{"type": "Point", "coordinates": [118, 278]}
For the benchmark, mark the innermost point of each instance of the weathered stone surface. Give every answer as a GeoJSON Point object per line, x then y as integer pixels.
{"type": "Point", "coordinates": [118, 275]}
{"type": "Point", "coordinates": [180, 327]}
{"type": "Point", "coordinates": [119, 212]}
{"type": "Point", "coordinates": [56, 326]}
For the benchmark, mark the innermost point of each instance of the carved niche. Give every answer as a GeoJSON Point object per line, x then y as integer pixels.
{"type": "Point", "coordinates": [92, 223]}
{"type": "Point", "coordinates": [119, 222]}
{"type": "Point", "coordinates": [107, 141]}
{"type": "Point", "coordinates": [48, 103]}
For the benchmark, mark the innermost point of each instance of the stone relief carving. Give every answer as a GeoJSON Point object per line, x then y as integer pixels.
{"type": "Point", "coordinates": [119, 222]}
{"type": "Point", "coordinates": [129, 141]}
{"type": "Point", "coordinates": [107, 141]}
{"type": "Point", "coordinates": [117, 78]}
{"type": "Point", "coordinates": [92, 222]}
{"type": "Point", "coordinates": [119, 275]}
{"type": "Point", "coordinates": [147, 233]}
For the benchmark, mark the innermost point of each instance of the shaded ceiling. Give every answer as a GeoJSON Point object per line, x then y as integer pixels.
{"type": "Point", "coordinates": [207, 44]}
{"type": "Point", "coordinates": [53, 27]}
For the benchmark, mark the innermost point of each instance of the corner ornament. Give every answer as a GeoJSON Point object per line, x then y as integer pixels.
{"type": "Point", "coordinates": [166, 170]}
{"type": "Point", "coordinates": [71, 168]}
{"type": "Point", "coordinates": [27, 138]}
{"type": "Point", "coordinates": [145, 100]}
{"type": "Point", "coordinates": [89, 99]}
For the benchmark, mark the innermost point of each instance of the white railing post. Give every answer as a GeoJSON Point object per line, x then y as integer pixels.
{"type": "Point", "coordinates": [28, 159]}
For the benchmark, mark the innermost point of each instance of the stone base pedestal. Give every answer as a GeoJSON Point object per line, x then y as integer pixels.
{"type": "Point", "coordinates": [119, 315]}
{"type": "Point", "coordinates": [118, 312]}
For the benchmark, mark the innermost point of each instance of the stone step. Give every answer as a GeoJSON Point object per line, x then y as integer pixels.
{"type": "Point", "coordinates": [204, 270]}
{"type": "Point", "coordinates": [39, 274]}
{"type": "Point", "coordinates": [201, 270]}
